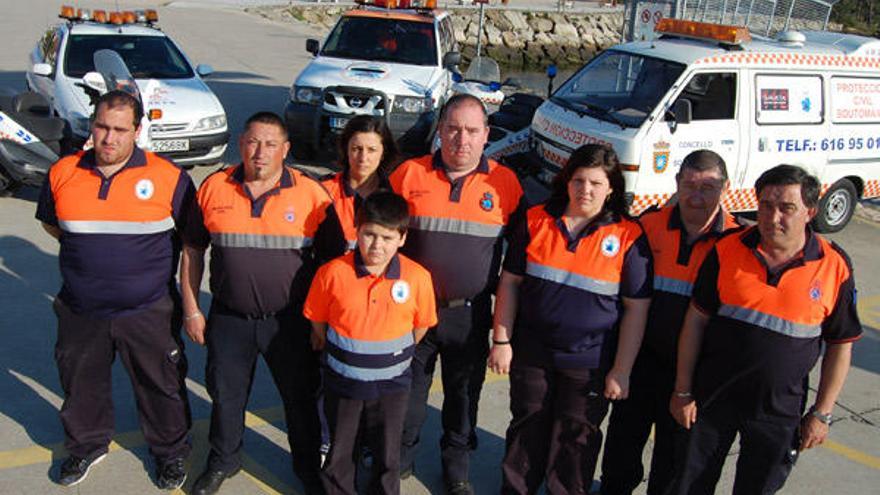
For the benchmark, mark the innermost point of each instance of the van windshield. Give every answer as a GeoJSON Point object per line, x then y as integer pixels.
{"type": "Point", "coordinates": [147, 57]}
{"type": "Point", "coordinates": [618, 87]}
{"type": "Point", "coordinates": [385, 40]}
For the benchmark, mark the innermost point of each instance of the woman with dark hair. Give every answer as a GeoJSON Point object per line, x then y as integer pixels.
{"type": "Point", "coordinates": [366, 153]}
{"type": "Point", "coordinates": [570, 313]}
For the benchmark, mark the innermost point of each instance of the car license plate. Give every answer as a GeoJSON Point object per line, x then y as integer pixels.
{"type": "Point", "coordinates": [338, 122]}
{"type": "Point", "coordinates": [170, 145]}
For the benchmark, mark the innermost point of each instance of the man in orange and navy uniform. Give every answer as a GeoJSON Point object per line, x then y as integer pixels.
{"type": "Point", "coordinates": [369, 309]}
{"type": "Point", "coordinates": [114, 210]}
{"type": "Point", "coordinates": [680, 235]}
{"type": "Point", "coordinates": [268, 226]}
{"type": "Point", "coordinates": [764, 301]}
{"type": "Point", "coordinates": [460, 203]}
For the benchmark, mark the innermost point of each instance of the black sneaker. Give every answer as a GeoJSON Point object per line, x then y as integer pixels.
{"type": "Point", "coordinates": [170, 474]}
{"type": "Point", "coordinates": [75, 469]}
{"type": "Point", "coordinates": [459, 488]}
{"type": "Point", "coordinates": [209, 481]}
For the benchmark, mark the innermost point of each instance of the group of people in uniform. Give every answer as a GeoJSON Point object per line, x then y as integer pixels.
{"type": "Point", "coordinates": [353, 288]}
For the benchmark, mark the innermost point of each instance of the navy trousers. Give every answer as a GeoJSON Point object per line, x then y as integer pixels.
{"type": "Point", "coordinates": [234, 341]}
{"type": "Point", "coordinates": [148, 343]}
{"type": "Point", "coordinates": [461, 341]}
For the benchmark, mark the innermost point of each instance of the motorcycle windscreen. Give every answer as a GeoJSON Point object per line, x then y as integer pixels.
{"type": "Point", "coordinates": [112, 68]}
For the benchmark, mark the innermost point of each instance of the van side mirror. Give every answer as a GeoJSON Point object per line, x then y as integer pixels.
{"type": "Point", "coordinates": [204, 70]}
{"type": "Point", "coordinates": [44, 70]}
{"type": "Point", "coordinates": [451, 60]}
{"type": "Point", "coordinates": [682, 111]}
{"type": "Point", "coordinates": [313, 46]}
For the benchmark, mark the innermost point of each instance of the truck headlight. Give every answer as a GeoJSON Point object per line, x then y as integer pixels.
{"type": "Point", "coordinates": [409, 104]}
{"type": "Point", "coordinates": [305, 94]}
{"type": "Point", "coordinates": [210, 123]}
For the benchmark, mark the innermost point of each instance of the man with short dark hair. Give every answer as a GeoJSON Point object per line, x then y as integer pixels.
{"type": "Point", "coordinates": [763, 303]}
{"type": "Point", "coordinates": [115, 210]}
{"type": "Point", "coordinates": [680, 235]}
{"type": "Point", "coordinates": [460, 203]}
{"type": "Point", "coordinates": [268, 227]}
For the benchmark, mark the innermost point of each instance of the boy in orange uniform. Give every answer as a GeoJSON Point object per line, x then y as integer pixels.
{"type": "Point", "coordinates": [369, 309]}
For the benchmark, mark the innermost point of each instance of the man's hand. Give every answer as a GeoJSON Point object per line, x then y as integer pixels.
{"type": "Point", "coordinates": [318, 338]}
{"type": "Point", "coordinates": [684, 410]}
{"type": "Point", "coordinates": [195, 328]}
{"type": "Point", "coordinates": [500, 357]}
{"type": "Point", "coordinates": [616, 385]}
{"type": "Point", "coordinates": [813, 432]}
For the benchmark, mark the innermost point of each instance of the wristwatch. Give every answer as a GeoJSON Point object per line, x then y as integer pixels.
{"type": "Point", "coordinates": [825, 418]}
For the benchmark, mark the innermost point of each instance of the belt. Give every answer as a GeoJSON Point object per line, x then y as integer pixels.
{"type": "Point", "coordinates": [249, 316]}
{"type": "Point", "coordinates": [454, 303]}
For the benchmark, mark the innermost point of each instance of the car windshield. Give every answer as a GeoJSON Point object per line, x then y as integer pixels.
{"type": "Point", "coordinates": [385, 40]}
{"type": "Point", "coordinates": [619, 87]}
{"type": "Point", "coordinates": [147, 57]}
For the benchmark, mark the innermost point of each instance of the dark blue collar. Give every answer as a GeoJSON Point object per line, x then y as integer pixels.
{"type": "Point", "coordinates": [675, 222]}
{"type": "Point", "coordinates": [437, 163]}
{"type": "Point", "coordinates": [287, 179]}
{"type": "Point", "coordinates": [137, 159]}
{"type": "Point", "coordinates": [812, 251]}
{"type": "Point", "coordinates": [392, 272]}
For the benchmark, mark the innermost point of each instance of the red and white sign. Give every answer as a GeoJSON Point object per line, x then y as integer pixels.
{"type": "Point", "coordinates": [855, 99]}
{"type": "Point", "coordinates": [648, 14]}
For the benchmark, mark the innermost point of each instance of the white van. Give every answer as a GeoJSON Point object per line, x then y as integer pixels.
{"type": "Point", "coordinates": [383, 58]}
{"type": "Point", "coordinates": [810, 99]}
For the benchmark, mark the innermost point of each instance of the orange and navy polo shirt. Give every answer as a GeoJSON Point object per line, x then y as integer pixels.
{"type": "Point", "coordinates": [569, 299]}
{"type": "Point", "coordinates": [370, 321]}
{"type": "Point", "coordinates": [118, 247]}
{"type": "Point", "coordinates": [676, 263]}
{"type": "Point", "coordinates": [264, 250]}
{"type": "Point", "coordinates": [766, 327]}
{"type": "Point", "coordinates": [346, 201]}
{"type": "Point", "coordinates": [456, 226]}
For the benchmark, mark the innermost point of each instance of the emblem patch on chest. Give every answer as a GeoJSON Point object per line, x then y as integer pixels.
{"type": "Point", "coordinates": [400, 291]}
{"type": "Point", "coordinates": [815, 290]}
{"type": "Point", "coordinates": [144, 189]}
{"type": "Point", "coordinates": [289, 216]}
{"type": "Point", "coordinates": [610, 245]}
{"type": "Point", "coordinates": [487, 202]}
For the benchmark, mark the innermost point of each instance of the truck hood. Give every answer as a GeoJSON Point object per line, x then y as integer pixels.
{"type": "Point", "coordinates": [390, 78]}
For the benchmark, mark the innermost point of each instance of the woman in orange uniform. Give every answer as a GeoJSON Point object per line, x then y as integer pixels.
{"type": "Point", "coordinates": [569, 318]}
{"type": "Point", "coordinates": [366, 153]}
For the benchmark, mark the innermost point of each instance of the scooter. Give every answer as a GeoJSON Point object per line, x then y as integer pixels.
{"type": "Point", "coordinates": [30, 139]}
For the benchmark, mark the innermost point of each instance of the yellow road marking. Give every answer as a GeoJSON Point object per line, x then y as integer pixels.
{"type": "Point", "coordinates": [869, 311]}
{"type": "Point", "coordinates": [852, 454]}
{"type": "Point", "coordinates": [267, 482]}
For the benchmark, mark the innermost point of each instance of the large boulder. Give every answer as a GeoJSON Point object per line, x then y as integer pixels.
{"type": "Point", "coordinates": [493, 34]}
{"type": "Point", "coordinates": [540, 24]}
{"type": "Point", "coordinates": [512, 40]}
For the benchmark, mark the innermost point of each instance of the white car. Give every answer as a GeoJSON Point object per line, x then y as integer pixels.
{"type": "Point", "coordinates": [394, 63]}
{"type": "Point", "coordinates": [187, 124]}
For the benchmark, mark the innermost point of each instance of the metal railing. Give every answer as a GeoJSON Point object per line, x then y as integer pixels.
{"type": "Point", "coordinates": [762, 17]}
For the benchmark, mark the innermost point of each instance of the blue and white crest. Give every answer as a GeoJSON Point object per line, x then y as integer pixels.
{"type": "Point", "coordinates": [610, 245]}
{"type": "Point", "coordinates": [400, 291]}
{"type": "Point", "coordinates": [144, 189]}
{"type": "Point", "coordinates": [289, 216]}
{"type": "Point", "coordinates": [486, 203]}
{"type": "Point", "coordinates": [815, 291]}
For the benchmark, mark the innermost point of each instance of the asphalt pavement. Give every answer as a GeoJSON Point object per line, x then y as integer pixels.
{"type": "Point", "coordinates": [255, 62]}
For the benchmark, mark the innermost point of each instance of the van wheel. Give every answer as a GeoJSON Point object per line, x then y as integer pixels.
{"type": "Point", "coordinates": [836, 207]}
